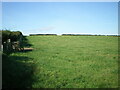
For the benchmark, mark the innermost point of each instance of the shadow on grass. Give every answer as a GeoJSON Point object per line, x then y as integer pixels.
{"type": "Point", "coordinates": [17, 72]}
{"type": "Point", "coordinates": [26, 42]}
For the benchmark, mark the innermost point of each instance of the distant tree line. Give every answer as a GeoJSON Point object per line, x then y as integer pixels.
{"type": "Point", "coordinates": [85, 35]}
{"type": "Point", "coordinates": [70, 35]}
{"type": "Point", "coordinates": [77, 35]}
{"type": "Point", "coordinates": [43, 34]}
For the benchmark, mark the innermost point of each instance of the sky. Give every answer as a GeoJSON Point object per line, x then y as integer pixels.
{"type": "Point", "coordinates": [61, 17]}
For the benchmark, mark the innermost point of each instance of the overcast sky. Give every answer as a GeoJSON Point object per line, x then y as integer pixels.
{"type": "Point", "coordinates": [61, 17]}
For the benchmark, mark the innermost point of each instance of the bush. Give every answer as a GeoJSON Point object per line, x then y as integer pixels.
{"type": "Point", "coordinates": [15, 36]}
{"type": "Point", "coordinates": [5, 35]}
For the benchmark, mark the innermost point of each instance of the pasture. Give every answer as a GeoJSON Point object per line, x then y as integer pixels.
{"type": "Point", "coordinates": [65, 62]}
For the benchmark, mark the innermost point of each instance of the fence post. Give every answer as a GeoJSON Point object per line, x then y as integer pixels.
{"type": "Point", "coordinates": [9, 46]}
{"type": "Point", "coordinates": [2, 48]}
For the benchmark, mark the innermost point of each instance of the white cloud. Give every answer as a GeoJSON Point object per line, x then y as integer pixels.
{"type": "Point", "coordinates": [46, 28]}
{"type": "Point", "coordinates": [42, 29]}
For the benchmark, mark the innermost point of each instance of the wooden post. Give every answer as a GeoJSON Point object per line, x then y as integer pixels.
{"type": "Point", "coordinates": [9, 46]}
{"type": "Point", "coordinates": [2, 48]}
{"type": "Point", "coordinates": [21, 43]}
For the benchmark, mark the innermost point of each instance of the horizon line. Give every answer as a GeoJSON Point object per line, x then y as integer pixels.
{"type": "Point", "coordinates": [73, 34]}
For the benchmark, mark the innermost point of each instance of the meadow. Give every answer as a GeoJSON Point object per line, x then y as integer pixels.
{"type": "Point", "coordinates": [64, 62]}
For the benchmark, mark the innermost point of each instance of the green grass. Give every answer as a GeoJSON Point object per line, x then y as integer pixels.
{"type": "Point", "coordinates": [70, 62]}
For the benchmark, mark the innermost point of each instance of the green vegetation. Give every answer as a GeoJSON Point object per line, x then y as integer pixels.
{"type": "Point", "coordinates": [11, 41]}
{"type": "Point", "coordinates": [64, 62]}
{"type": "Point", "coordinates": [13, 35]}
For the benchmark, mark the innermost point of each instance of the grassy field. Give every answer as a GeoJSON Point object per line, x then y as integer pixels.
{"type": "Point", "coordinates": [65, 62]}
